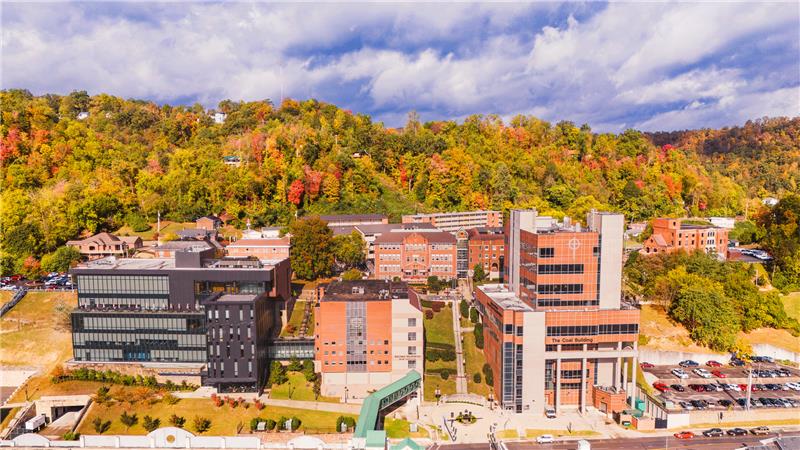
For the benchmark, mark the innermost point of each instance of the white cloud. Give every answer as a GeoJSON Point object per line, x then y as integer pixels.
{"type": "Point", "coordinates": [620, 67]}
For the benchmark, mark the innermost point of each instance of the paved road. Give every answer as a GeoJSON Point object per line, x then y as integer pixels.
{"type": "Point", "coordinates": [648, 443]}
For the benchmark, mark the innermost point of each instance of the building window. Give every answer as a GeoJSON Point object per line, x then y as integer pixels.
{"type": "Point", "coordinates": [573, 288]}
{"type": "Point", "coordinates": [412, 336]}
{"type": "Point", "coordinates": [412, 350]}
{"type": "Point", "coordinates": [547, 252]}
{"type": "Point", "coordinates": [412, 364]}
{"type": "Point", "coordinates": [412, 322]}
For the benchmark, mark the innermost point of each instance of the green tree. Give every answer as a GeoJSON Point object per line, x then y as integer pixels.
{"type": "Point", "coordinates": [349, 249]}
{"type": "Point", "coordinates": [478, 274]}
{"type": "Point", "coordinates": [61, 260]}
{"type": "Point", "coordinates": [177, 421]}
{"type": "Point", "coordinates": [311, 252]}
{"type": "Point", "coordinates": [100, 426]}
{"type": "Point", "coordinates": [473, 315]}
{"type": "Point", "coordinates": [128, 420]}
{"type": "Point", "coordinates": [434, 284]}
{"type": "Point", "coordinates": [150, 424]}
{"type": "Point", "coordinates": [781, 224]}
{"type": "Point", "coordinates": [352, 274]}
{"type": "Point", "coordinates": [463, 307]}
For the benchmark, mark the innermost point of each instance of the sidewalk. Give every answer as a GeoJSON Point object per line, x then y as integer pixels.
{"type": "Point", "coordinates": [461, 380]}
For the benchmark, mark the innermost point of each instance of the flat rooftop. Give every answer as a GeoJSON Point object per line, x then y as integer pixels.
{"type": "Point", "coordinates": [113, 263]}
{"type": "Point", "coordinates": [502, 297]}
{"type": "Point", "coordinates": [364, 290]}
{"type": "Point", "coordinates": [237, 298]}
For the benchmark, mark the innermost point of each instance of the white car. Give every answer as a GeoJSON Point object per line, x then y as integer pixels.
{"type": "Point", "coordinates": [702, 372]}
{"type": "Point", "coordinates": [792, 385]}
{"type": "Point", "coordinates": [734, 387]}
{"type": "Point", "coordinates": [680, 373]}
{"type": "Point", "coordinates": [545, 439]}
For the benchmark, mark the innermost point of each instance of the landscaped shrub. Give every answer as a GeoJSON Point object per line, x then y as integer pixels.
{"type": "Point", "coordinates": [128, 420]}
{"type": "Point", "coordinates": [271, 424]}
{"type": "Point", "coordinates": [478, 332]}
{"type": "Point", "coordinates": [259, 406]}
{"type": "Point", "coordinates": [445, 374]}
{"type": "Point", "coordinates": [150, 424]}
{"type": "Point", "coordinates": [473, 315]}
{"type": "Point", "coordinates": [347, 420]}
{"type": "Point", "coordinates": [463, 307]}
{"type": "Point", "coordinates": [170, 399]}
{"type": "Point", "coordinates": [201, 424]}
{"type": "Point", "coordinates": [281, 425]}
{"type": "Point", "coordinates": [295, 423]}
{"type": "Point", "coordinates": [277, 373]}
{"type": "Point", "coordinates": [428, 314]}
{"type": "Point", "coordinates": [100, 426]}
{"type": "Point", "coordinates": [113, 377]}
{"type": "Point", "coordinates": [488, 375]}
{"type": "Point", "coordinates": [476, 377]}
{"type": "Point", "coordinates": [177, 421]}
{"type": "Point", "coordinates": [295, 365]}
{"type": "Point", "coordinates": [70, 436]}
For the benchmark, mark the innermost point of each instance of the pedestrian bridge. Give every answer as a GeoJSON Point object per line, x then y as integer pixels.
{"type": "Point", "coordinates": [285, 349]}
{"type": "Point", "coordinates": [367, 434]}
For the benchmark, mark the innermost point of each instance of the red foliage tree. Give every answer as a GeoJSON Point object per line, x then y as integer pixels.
{"type": "Point", "coordinates": [313, 182]}
{"type": "Point", "coordinates": [296, 191]}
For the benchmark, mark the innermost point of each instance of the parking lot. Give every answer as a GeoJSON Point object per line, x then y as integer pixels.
{"type": "Point", "coordinates": [729, 390]}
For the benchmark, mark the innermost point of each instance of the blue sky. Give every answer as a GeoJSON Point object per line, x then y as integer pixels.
{"type": "Point", "coordinates": [652, 66]}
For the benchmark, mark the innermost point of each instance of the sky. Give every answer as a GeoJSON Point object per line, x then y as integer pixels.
{"type": "Point", "coordinates": [650, 66]}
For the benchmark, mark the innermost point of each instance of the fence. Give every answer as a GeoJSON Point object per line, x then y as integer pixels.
{"type": "Point", "coordinates": [14, 300]}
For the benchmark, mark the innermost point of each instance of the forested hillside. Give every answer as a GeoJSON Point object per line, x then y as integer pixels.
{"type": "Point", "coordinates": [64, 176]}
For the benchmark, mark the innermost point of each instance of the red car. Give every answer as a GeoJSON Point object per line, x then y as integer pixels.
{"type": "Point", "coordinates": [714, 364]}
{"type": "Point", "coordinates": [661, 386]}
{"type": "Point", "coordinates": [646, 365]}
{"type": "Point", "coordinates": [743, 387]}
{"type": "Point", "coordinates": [684, 435]}
{"type": "Point", "coordinates": [718, 374]}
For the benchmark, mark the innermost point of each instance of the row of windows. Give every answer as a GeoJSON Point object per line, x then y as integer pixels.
{"type": "Point", "coordinates": [385, 342]}
{"type": "Point", "coordinates": [442, 247]}
{"type": "Point", "coordinates": [572, 374]}
{"type": "Point", "coordinates": [215, 350]}
{"type": "Point", "coordinates": [363, 363]}
{"type": "Point", "coordinates": [227, 313]}
{"type": "Point", "coordinates": [222, 334]}
{"type": "Point", "coordinates": [557, 302]}
{"type": "Point", "coordinates": [593, 330]}
{"type": "Point", "coordinates": [109, 354]}
{"type": "Point", "coordinates": [390, 256]}
{"type": "Point", "coordinates": [147, 303]}
{"type": "Point", "coordinates": [567, 288]}
{"type": "Point", "coordinates": [353, 352]}
{"type": "Point", "coordinates": [441, 257]}
{"type": "Point", "coordinates": [548, 269]}
{"type": "Point", "coordinates": [389, 268]}
{"type": "Point", "coordinates": [118, 339]}
{"type": "Point", "coordinates": [119, 284]}
{"type": "Point", "coordinates": [218, 369]}
{"type": "Point", "coordinates": [445, 269]}
{"type": "Point", "coordinates": [126, 322]}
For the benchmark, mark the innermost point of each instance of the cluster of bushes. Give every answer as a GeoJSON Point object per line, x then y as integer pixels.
{"type": "Point", "coordinates": [306, 367]}
{"type": "Point", "coordinates": [428, 314]}
{"type": "Point", "coordinates": [487, 374]}
{"type": "Point", "coordinates": [70, 436]}
{"type": "Point", "coordinates": [234, 402]}
{"type": "Point", "coordinates": [473, 315]}
{"type": "Point", "coordinates": [478, 331]}
{"type": "Point", "coordinates": [436, 306]}
{"type": "Point", "coordinates": [436, 352]}
{"type": "Point", "coordinates": [476, 377]}
{"type": "Point", "coordinates": [349, 422]}
{"type": "Point", "coordinates": [113, 377]}
{"type": "Point", "coordinates": [463, 307]}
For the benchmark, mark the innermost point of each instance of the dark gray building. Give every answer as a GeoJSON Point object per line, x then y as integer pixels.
{"type": "Point", "coordinates": [191, 308]}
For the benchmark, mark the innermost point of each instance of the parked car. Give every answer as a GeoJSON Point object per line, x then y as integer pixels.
{"type": "Point", "coordinates": [661, 387]}
{"type": "Point", "coordinates": [688, 363]}
{"type": "Point", "coordinates": [686, 405]}
{"type": "Point", "coordinates": [718, 374]}
{"type": "Point", "coordinates": [684, 435]}
{"type": "Point", "coordinates": [725, 403]}
{"type": "Point", "coordinates": [677, 388]}
{"type": "Point", "coordinates": [646, 365]}
{"type": "Point", "coordinates": [550, 413]}
{"type": "Point", "coordinates": [737, 363]}
{"type": "Point", "coordinates": [545, 439]}
{"type": "Point", "coordinates": [759, 430]}
{"type": "Point", "coordinates": [737, 432]}
{"type": "Point", "coordinates": [714, 364]}
{"type": "Point", "coordinates": [702, 372]}
{"type": "Point", "coordinates": [713, 432]}
{"type": "Point", "coordinates": [680, 373]}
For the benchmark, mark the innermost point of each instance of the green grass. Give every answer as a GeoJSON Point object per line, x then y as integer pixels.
{"type": "Point", "coordinates": [297, 388]}
{"type": "Point", "coordinates": [297, 319]}
{"type": "Point", "coordinates": [791, 303]}
{"type": "Point", "coordinates": [399, 429]}
{"type": "Point", "coordinates": [167, 227]}
{"type": "Point", "coordinates": [439, 330]}
{"type": "Point", "coordinates": [5, 297]}
{"type": "Point", "coordinates": [224, 419]}
{"type": "Point", "coordinates": [475, 360]}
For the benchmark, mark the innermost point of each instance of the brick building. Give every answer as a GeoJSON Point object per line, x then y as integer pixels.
{"type": "Point", "coordinates": [454, 221]}
{"type": "Point", "coordinates": [486, 247]}
{"type": "Point", "coordinates": [265, 249]}
{"type": "Point", "coordinates": [670, 235]}
{"type": "Point", "coordinates": [368, 333]}
{"type": "Point", "coordinates": [414, 256]}
{"type": "Point", "coordinates": [557, 335]}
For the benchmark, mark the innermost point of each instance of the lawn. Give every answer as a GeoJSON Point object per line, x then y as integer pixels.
{"type": "Point", "coordinates": [297, 388]}
{"type": "Point", "coordinates": [507, 434]}
{"type": "Point", "coordinates": [778, 338]}
{"type": "Point", "coordinates": [5, 296]}
{"type": "Point", "coordinates": [296, 320]}
{"type": "Point", "coordinates": [224, 420]}
{"type": "Point", "coordinates": [36, 331]}
{"type": "Point", "coordinates": [167, 227]}
{"type": "Point", "coordinates": [439, 333]}
{"type": "Point", "coordinates": [791, 303]}
{"type": "Point", "coordinates": [475, 360]}
{"type": "Point", "coordinates": [749, 423]}
{"type": "Point", "coordinates": [399, 429]}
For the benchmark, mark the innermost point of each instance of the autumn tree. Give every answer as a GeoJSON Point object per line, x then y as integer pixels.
{"type": "Point", "coordinates": [312, 249]}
